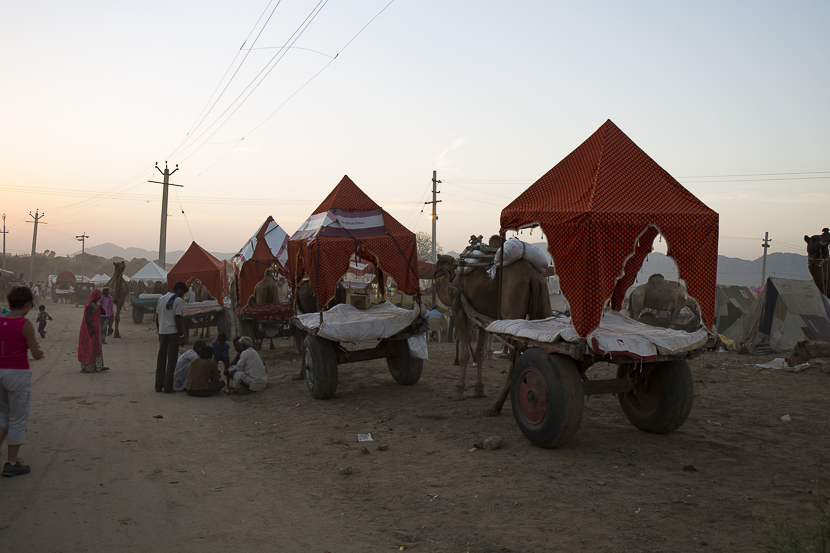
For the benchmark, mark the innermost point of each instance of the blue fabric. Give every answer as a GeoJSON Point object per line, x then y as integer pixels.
{"type": "Point", "coordinates": [221, 351]}
{"type": "Point", "coordinates": [171, 301]}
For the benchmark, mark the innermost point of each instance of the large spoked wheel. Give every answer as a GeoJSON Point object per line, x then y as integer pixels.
{"type": "Point", "coordinates": [405, 369]}
{"type": "Point", "coordinates": [319, 367]}
{"type": "Point", "coordinates": [663, 402]}
{"type": "Point", "coordinates": [138, 314]}
{"type": "Point", "coordinates": [547, 397]}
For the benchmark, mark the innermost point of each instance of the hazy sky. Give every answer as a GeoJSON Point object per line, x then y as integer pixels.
{"type": "Point", "coordinates": [731, 98]}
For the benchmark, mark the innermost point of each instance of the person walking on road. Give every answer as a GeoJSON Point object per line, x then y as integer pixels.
{"type": "Point", "coordinates": [108, 303]}
{"type": "Point", "coordinates": [170, 327]}
{"type": "Point", "coordinates": [90, 350]}
{"type": "Point", "coordinates": [17, 334]}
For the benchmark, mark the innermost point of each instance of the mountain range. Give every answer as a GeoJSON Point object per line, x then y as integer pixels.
{"type": "Point", "coordinates": [109, 250]}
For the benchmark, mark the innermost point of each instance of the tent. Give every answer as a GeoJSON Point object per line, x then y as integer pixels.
{"type": "Point", "coordinates": [732, 302]}
{"type": "Point", "coordinates": [150, 272]}
{"type": "Point", "coordinates": [267, 247]}
{"type": "Point", "coordinates": [348, 223]}
{"type": "Point", "coordinates": [786, 311]}
{"type": "Point", "coordinates": [100, 279]}
{"type": "Point", "coordinates": [601, 208]}
{"type": "Point", "coordinates": [198, 263]}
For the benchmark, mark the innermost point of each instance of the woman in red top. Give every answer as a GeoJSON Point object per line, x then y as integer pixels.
{"type": "Point", "coordinates": [17, 334]}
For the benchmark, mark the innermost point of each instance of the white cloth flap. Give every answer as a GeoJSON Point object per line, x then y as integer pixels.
{"type": "Point", "coordinates": [346, 323]}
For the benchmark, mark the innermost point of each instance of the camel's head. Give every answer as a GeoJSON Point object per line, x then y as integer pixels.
{"type": "Point", "coordinates": [817, 245]}
{"type": "Point", "coordinates": [799, 355]}
{"type": "Point", "coordinates": [118, 267]}
{"type": "Point", "coordinates": [444, 266]}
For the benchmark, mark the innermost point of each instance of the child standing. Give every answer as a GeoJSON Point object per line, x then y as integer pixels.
{"type": "Point", "coordinates": [42, 317]}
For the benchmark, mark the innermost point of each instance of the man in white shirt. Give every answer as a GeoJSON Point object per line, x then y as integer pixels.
{"type": "Point", "coordinates": [183, 366]}
{"type": "Point", "coordinates": [170, 327]}
{"type": "Point", "coordinates": [249, 374]}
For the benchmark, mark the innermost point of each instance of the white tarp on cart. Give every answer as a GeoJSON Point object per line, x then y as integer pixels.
{"type": "Point", "coordinates": [346, 323]}
{"type": "Point", "coordinates": [616, 335]}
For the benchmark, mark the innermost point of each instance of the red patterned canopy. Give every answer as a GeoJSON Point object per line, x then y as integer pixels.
{"type": "Point", "coordinates": [348, 223]}
{"type": "Point", "coordinates": [600, 208]}
{"type": "Point", "coordinates": [269, 246]}
{"type": "Point", "coordinates": [199, 263]}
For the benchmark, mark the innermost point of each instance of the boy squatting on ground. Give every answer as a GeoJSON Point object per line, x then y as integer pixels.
{"type": "Point", "coordinates": [183, 366]}
{"type": "Point", "coordinates": [203, 379]}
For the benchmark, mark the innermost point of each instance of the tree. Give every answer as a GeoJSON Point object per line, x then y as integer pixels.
{"type": "Point", "coordinates": [424, 242]}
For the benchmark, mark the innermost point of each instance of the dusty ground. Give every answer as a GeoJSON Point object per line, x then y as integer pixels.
{"type": "Point", "coordinates": [117, 467]}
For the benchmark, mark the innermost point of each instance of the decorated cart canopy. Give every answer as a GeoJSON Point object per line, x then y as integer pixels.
{"type": "Point", "coordinates": [150, 272]}
{"type": "Point", "coordinates": [267, 247]}
{"type": "Point", "coordinates": [348, 223]}
{"type": "Point", "coordinates": [601, 208]}
{"type": "Point", "coordinates": [198, 263]}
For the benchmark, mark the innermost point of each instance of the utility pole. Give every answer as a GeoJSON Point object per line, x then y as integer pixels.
{"type": "Point", "coordinates": [764, 263]}
{"type": "Point", "coordinates": [163, 233]}
{"type": "Point", "coordinates": [434, 217]}
{"type": "Point", "coordinates": [37, 217]}
{"type": "Point", "coordinates": [5, 232]}
{"type": "Point", "coordinates": [82, 239]}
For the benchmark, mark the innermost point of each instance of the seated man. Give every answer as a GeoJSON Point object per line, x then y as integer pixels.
{"type": "Point", "coordinates": [249, 374]}
{"type": "Point", "coordinates": [203, 379]}
{"type": "Point", "coordinates": [435, 314]}
{"type": "Point", "coordinates": [183, 366]}
{"type": "Point", "coordinates": [222, 351]}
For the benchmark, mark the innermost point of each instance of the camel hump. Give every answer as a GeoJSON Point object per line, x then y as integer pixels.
{"type": "Point", "coordinates": [655, 277]}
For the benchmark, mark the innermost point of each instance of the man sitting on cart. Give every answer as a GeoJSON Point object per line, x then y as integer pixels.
{"type": "Point", "coordinates": [249, 374]}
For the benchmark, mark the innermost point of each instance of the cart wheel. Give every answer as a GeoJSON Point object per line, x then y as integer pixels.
{"type": "Point", "coordinates": [666, 400]}
{"type": "Point", "coordinates": [405, 369]}
{"type": "Point", "coordinates": [138, 314]}
{"type": "Point", "coordinates": [547, 397]}
{"type": "Point", "coordinates": [223, 323]}
{"type": "Point", "coordinates": [320, 367]}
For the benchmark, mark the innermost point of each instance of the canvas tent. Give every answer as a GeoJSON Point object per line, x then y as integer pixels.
{"type": "Point", "coordinates": [267, 247]}
{"type": "Point", "coordinates": [350, 224]}
{"type": "Point", "coordinates": [601, 208]}
{"type": "Point", "coordinates": [198, 263]}
{"type": "Point", "coordinates": [732, 302]}
{"type": "Point", "coordinates": [786, 311]}
{"type": "Point", "coordinates": [150, 272]}
{"type": "Point", "coordinates": [100, 279]}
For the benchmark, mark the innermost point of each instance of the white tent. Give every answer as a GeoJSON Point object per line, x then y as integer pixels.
{"type": "Point", "coordinates": [786, 311]}
{"type": "Point", "coordinates": [150, 272]}
{"type": "Point", "coordinates": [100, 279]}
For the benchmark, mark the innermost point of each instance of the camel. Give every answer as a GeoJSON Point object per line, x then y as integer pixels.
{"type": "Point", "coordinates": [524, 294]}
{"type": "Point", "coordinates": [202, 294]}
{"type": "Point", "coordinates": [118, 290]}
{"type": "Point", "coordinates": [265, 291]}
{"type": "Point", "coordinates": [805, 350]}
{"type": "Point", "coordinates": [659, 294]}
{"type": "Point", "coordinates": [818, 260]}
{"type": "Point", "coordinates": [306, 300]}
{"type": "Point", "coordinates": [159, 288]}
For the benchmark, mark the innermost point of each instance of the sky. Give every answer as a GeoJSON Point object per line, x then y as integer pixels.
{"type": "Point", "coordinates": [265, 106]}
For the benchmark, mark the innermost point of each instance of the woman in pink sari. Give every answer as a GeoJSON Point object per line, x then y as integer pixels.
{"type": "Point", "coordinates": [90, 350]}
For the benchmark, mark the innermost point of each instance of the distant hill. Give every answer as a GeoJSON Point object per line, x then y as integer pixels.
{"type": "Point", "coordinates": [109, 251]}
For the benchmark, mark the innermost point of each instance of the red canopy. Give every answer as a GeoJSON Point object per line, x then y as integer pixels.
{"type": "Point", "coordinates": [269, 246]}
{"type": "Point", "coordinates": [601, 207]}
{"type": "Point", "coordinates": [198, 263]}
{"type": "Point", "coordinates": [348, 223]}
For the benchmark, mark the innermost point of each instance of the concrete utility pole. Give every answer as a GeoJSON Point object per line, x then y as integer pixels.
{"type": "Point", "coordinates": [163, 234]}
{"type": "Point", "coordinates": [36, 218]}
{"type": "Point", "coordinates": [764, 263]}
{"type": "Point", "coordinates": [5, 232]}
{"type": "Point", "coordinates": [434, 217]}
{"type": "Point", "coordinates": [82, 239]}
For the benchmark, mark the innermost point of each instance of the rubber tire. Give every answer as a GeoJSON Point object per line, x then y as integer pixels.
{"type": "Point", "coordinates": [138, 314]}
{"type": "Point", "coordinates": [223, 324]}
{"type": "Point", "coordinates": [547, 397]}
{"type": "Point", "coordinates": [405, 369]}
{"type": "Point", "coordinates": [319, 363]}
{"type": "Point", "coordinates": [667, 402]}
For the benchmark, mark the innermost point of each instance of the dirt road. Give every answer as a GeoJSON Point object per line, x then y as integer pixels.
{"type": "Point", "coordinates": [118, 467]}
